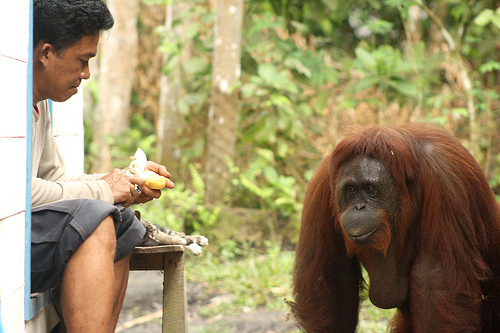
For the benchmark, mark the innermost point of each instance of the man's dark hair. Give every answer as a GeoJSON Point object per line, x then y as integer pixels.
{"type": "Point", "coordinates": [63, 23]}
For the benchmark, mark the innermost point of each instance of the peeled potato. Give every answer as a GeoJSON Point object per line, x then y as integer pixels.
{"type": "Point", "coordinates": [153, 180]}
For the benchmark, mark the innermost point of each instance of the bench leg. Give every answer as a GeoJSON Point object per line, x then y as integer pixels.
{"type": "Point", "coordinates": [174, 294]}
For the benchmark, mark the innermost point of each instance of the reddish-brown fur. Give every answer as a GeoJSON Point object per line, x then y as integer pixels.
{"type": "Point", "coordinates": [441, 256]}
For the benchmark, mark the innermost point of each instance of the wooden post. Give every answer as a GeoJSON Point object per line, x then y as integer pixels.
{"type": "Point", "coordinates": [174, 290]}
{"type": "Point", "coordinates": [170, 259]}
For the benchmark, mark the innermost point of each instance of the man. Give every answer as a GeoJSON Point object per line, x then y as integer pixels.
{"type": "Point", "coordinates": [81, 241]}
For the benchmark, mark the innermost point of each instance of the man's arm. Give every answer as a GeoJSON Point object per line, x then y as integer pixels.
{"type": "Point", "coordinates": [44, 191]}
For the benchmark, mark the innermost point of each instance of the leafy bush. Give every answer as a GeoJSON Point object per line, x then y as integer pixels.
{"type": "Point", "coordinates": [183, 208]}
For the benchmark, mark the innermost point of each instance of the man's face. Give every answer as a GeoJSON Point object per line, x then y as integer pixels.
{"type": "Point", "coordinates": [63, 71]}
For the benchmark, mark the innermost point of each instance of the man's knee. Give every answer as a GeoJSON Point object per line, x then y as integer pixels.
{"type": "Point", "coordinates": [104, 235]}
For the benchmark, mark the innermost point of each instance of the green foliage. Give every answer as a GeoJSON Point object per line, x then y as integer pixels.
{"type": "Point", "coordinates": [261, 186]}
{"type": "Point", "coordinates": [488, 16]}
{"type": "Point", "coordinates": [385, 68]}
{"type": "Point", "coordinates": [141, 134]}
{"type": "Point", "coordinates": [298, 57]}
{"type": "Point", "coordinates": [183, 208]}
{"type": "Point", "coordinates": [291, 64]}
{"type": "Point", "coordinates": [489, 67]}
{"type": "Point", "coordinates": [196, 72]}
{"type": "Point", "coordinates": [254, 278]}
{"type": "Point", "coordinates": [282, 86]}
{"type": "Point", "coordinates": [397, 3]}
{"type": "Point", "coordinates": [380, 27]}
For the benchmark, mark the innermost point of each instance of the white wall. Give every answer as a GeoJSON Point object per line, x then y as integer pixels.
{"type": "Point", "coordinates": [14, 27]}
{"type": "Point", "coordinates": [68, 128]}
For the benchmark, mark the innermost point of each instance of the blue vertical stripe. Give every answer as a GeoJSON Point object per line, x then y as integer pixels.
{"type": "Point", "coordinates": [1, 330]}
{"type": "Point", "coordinates": [50, 111]}
{"type": "Point", "coordinates": [29, 134]}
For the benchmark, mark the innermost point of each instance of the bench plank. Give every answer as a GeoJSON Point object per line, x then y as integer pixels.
{"type": "Point", "coordinates": [44, 321]}
{"type": "Point", "coordinates": [159, 249]}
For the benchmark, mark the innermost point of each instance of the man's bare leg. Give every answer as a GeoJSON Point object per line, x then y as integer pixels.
{"type": "Point", "coordinates": [121, 282]}
{"type": "Point", "coordinates": [88, 282]}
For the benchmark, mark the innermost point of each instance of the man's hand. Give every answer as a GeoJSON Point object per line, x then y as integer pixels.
{"type": "Point", "coordinates": [148, 194]}
{"type": "Point", "coordinates": [124, 187]}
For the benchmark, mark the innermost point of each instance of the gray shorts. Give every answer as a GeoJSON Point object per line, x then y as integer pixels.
{"type": "Point", "coordinates": [58, 229]}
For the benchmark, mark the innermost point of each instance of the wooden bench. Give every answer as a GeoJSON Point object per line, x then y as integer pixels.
{"type": "Point", "coordinates": [167, 258]}
{"type": "Point", "coordinates": [43, 316]}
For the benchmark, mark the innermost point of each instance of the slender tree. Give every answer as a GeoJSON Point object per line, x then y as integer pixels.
{"type": "Point", "coordinates": [116, 74]}
{"type": "Point", "coordinates": [221, 136]}
{"type": "Point", "coordinates": [170, 120]}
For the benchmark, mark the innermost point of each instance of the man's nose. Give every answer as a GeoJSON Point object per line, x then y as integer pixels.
{"type": "Point", "coordinates": [85, 74]}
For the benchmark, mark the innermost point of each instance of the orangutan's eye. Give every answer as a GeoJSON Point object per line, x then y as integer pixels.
{"type": "Point", "coordinates": [370, 189]}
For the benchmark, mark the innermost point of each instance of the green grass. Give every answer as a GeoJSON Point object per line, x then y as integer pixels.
{"type": "Point", "coordinates": [253, 278]}
{"type": "Point", "coordinates": [373, 319]}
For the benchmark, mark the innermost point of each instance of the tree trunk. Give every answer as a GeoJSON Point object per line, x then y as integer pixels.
{"type": "Point", "coordinates": [413, 31]}
{"type": "Point", "coordinates": [116, 68]}
{"type": "Point", "coordinates": [463, 79]}
{"type": "Point", "coordinates": [170, 120]}
{"type": "Point", "coordinates": [221, 138]}
{"type": "Point", "coordinates": [149, 61]}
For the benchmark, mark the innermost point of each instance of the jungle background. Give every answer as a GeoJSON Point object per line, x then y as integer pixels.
{"type": "Point", "coordinates": [241, 99]}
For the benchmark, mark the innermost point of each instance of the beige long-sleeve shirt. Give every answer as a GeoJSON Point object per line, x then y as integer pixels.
{"type": "Point", "coordinates": [49, 182]}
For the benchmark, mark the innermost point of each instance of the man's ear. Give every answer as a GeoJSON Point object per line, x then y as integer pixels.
{"type": "Point", "coordinates": [43, 51]}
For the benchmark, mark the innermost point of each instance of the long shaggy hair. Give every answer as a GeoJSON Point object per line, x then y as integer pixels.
{"type": "Point", "coordinates": [447, 215]}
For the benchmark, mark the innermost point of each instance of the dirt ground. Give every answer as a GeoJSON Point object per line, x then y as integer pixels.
{"type": "Point", "coordinates": [141, 312]}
